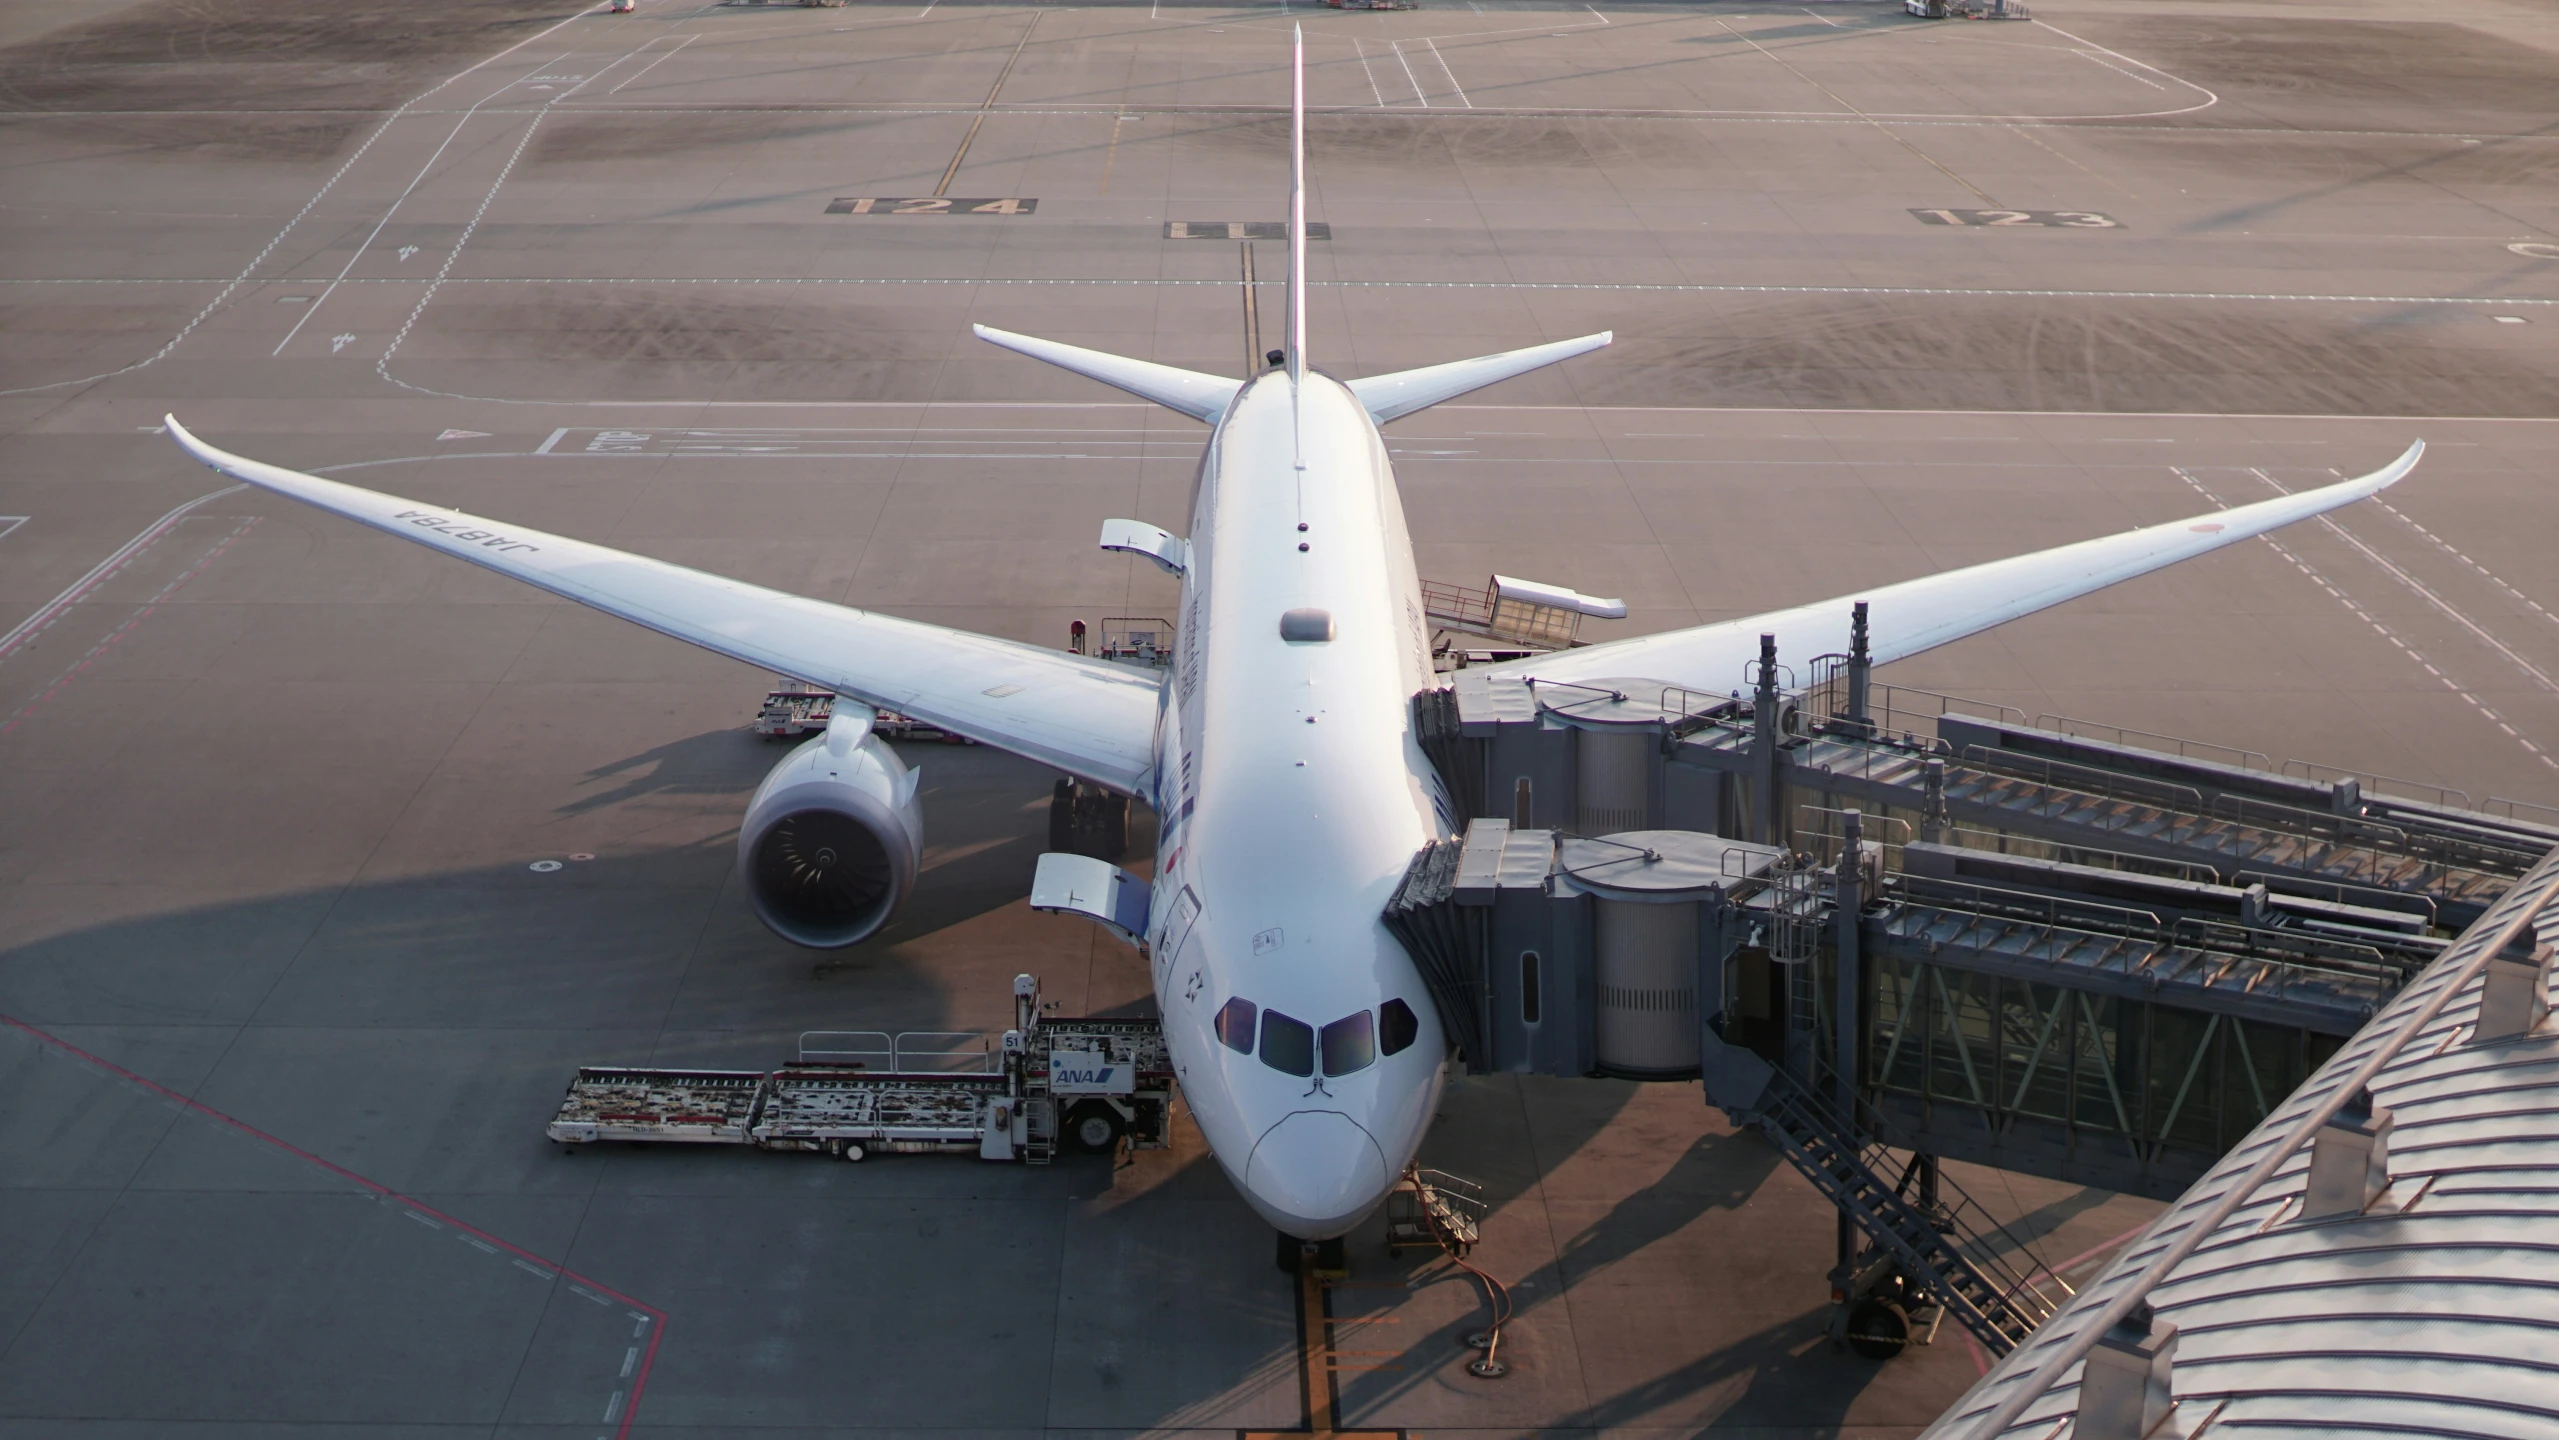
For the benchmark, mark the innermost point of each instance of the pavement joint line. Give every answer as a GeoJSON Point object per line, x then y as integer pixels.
{"type": "Point", "coordinates": [953, 169]}
{"type": "Point", "coordinates": [1640, 286]}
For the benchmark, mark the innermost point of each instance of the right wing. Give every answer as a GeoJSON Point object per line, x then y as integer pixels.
{"type": "Point", "coordinates": [1090, 718]}
{"type": "Point", "coordinates": [1921, 614]}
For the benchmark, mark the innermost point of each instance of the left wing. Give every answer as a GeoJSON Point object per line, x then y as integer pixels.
{"type": "Point", "coordinates": [1089, 718]}
{"type": "Point", "coordinates": [1921, 614]}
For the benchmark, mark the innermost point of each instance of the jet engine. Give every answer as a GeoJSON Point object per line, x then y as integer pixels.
{"type": "Point", "coordinates": [833, 837]}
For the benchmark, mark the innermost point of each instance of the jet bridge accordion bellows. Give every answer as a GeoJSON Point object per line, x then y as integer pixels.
{"type": "Point", "coordinates": [1444, 941]}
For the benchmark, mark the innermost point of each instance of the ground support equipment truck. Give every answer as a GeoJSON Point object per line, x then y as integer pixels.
{"type": "Point", "coordinates": [1082, 1083]}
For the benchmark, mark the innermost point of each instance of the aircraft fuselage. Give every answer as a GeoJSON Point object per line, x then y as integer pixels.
{"type": "Point", "coordinates": [1293, 794]}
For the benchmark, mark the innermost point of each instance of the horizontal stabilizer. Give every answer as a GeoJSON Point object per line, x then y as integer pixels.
{"type": "Point", "coordinates": [1402, 393]}
{"type": "Point", "coordinates": [1202, 397]}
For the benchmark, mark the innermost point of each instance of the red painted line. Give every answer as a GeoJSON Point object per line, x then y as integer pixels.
{"type": "Point", "coordinates": [124, 555]}
{"type": "Point", "coordinates": [1972, 1347]}
{"type": "Point", "coordinates": [657, 1317]}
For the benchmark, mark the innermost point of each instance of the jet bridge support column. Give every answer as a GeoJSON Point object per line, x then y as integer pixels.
{"type": "Point", "coordinates": [1861, 668]}
{"type": "Point", "coordinates": [1847, 1035]}
{"type": "Point", "coordinates": [1768, 759]}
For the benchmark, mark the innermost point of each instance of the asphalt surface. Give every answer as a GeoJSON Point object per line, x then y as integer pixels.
{"type": "Point", "coordinates": [287, 1005]}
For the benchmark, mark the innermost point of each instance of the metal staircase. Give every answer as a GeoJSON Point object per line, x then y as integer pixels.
{"type": "Point", "coordinates": [1934, 1245]}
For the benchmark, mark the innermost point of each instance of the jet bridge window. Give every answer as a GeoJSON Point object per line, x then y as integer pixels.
{"type": "Point", "coordinates": [1398, 1027]}
{"type": "Point", "coordinates": [1235, 1025]}
{"type": "Point", "coordinates": [1350, 1044]}
{"type": "Point", "coordinates": [1288, 1046]}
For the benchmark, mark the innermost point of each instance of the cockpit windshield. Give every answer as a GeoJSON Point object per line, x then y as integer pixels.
{"type": "Point", "coordinates": [1293, 1047]}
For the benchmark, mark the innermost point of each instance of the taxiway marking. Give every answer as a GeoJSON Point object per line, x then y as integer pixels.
{"type": "Point", "coordinates": [316, 196]}
{"type": "Point", "coordinates": [98, 574]}
{"type": "Point", "coordinates": [2424, 592]}
{"type": "Point", "coordinates": [2386, 633]}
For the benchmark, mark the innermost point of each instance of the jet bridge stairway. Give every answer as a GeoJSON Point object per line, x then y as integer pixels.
{"type": "Point", "coordinates": [1934, 1247]}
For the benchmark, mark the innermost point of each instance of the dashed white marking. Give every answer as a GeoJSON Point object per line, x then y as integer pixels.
{"type": "Point", "coordinates": [613, 1407]}
{"type": "Point", "coordinates": [2386, 633]}
{"type": "Point", "coordinates": [430, 1223]}
{"type": "Point", "coordinates": [478, 1244]}
{"type": "Point", "coordinates": [2426, 593]}
{"type": "Point", "coordinates": [630, 1358]}
{"type": "Point", "coordinates": [533, 1270]}
{"type": "Point", "coordinates": [2478, 569]}
{"type": "Point", "coordinates": [662, 59]}
{"type": "Point", "coordinates": [73, 593]}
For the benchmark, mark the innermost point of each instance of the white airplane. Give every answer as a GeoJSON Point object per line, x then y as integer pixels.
{"type": "Point", "coordinates": [1278, 752]}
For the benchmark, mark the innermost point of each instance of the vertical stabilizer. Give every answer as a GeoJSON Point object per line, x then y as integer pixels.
{"type": "Point", "coordinates": [1297, 209]}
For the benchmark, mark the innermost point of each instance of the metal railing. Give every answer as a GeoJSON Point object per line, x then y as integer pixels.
{"type": "Point", "coordinates": [2085, 780]}
{"type": "Point", "coordinates": [903, 1051]}
{"type": "Point", "coordinates": [2130, 738]}
{"type": "Point", "coordinates": [2380, 783]}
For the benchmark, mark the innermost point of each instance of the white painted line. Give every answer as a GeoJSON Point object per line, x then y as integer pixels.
{"type": "Point", "coordinates": [630, 1358]}
{"type": "Point", "coordinates": [613, 1407]}
{"type": "Point", "coordinates": [2094, 58]}
{"type": "Point", "coordinates": [545, 447]}
{"type": "Point", "coordinates": [584, 1293]}
{"type": "Point", "coordinates": [423, 1220]}
{"type": "Point", "coordinates": [1409, 77]}
{"type": "Point", "coordinates": [2210, 99]}
{"type": "Point", "coordinates": [535, 1271]}
{"type": "Point", "coordinates": [641, 1325]}
{"type": "Point", "coordinates": [376, 234]}
{"type": "Point", "coordinates": [53, 609]}
{"type": "Point", "coordinates": [2482, 571]}
{"type": "Point", "coordinates": [1451, 74]}
{"type": "Point", "coordinates": [2386, 633]}
{"type": "Point", "coordinates": [662, 59]}
{"type": "Point", "coordinates": [478, 1244]}
{"type": "Point", "coordinates": [1370, 73]}
{"type": "Point", "coordinates": [269, 248]}
{"type": "Point", "coordinates": [2424, 592]}
{"type": "Point", "coordinates": [11, 522]}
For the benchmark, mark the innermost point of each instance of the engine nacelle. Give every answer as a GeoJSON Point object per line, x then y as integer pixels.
{"type": "Point", "coordinates": [833, 837]}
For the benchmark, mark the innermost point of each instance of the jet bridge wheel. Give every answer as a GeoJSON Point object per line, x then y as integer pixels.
{"type": "Point", "coordinates": [1094, 1127]}
{"type": "Point", "coordinates": [1878, 1329]}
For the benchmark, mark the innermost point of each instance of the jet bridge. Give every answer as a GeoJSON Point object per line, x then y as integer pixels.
{"type": "Point", "coordinates": [1886, 927]}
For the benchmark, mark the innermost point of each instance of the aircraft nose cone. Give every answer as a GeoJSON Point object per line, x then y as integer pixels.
{"type": "Point", "coordinates": [1315, 1174]}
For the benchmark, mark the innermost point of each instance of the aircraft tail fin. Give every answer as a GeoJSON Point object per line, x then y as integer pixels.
{"type": "Point", "coordinates": [1297, 209]}
{"type": "Point", "coordinates": [1405, 391]}
{"type": "Point", "coordinates": [1202, 397]}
